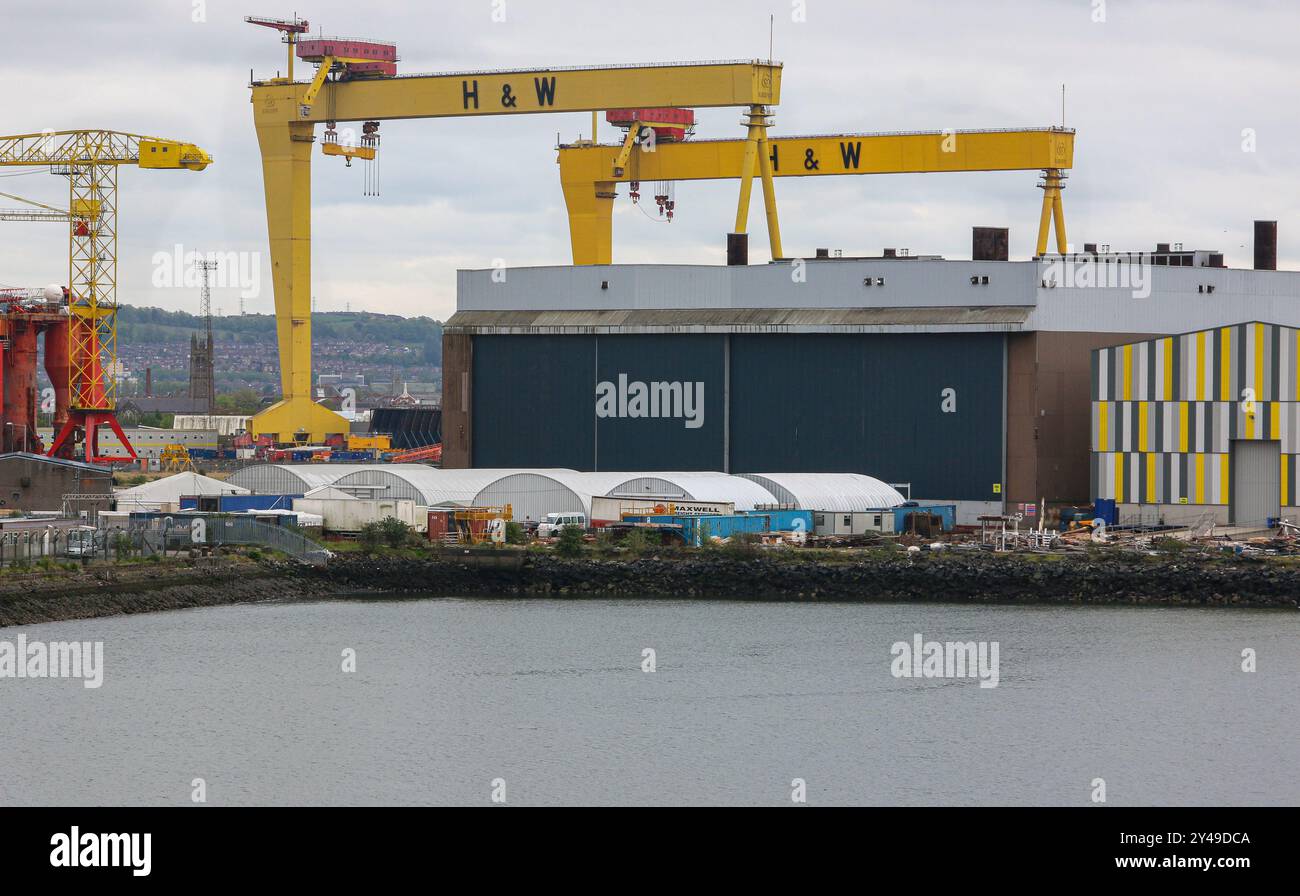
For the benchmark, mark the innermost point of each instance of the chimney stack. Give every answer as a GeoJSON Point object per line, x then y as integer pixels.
{"type": "Point", "coordinates": [148, 382]}
{"type": "Point", "coordinates": [990, 244]}
{"type": "Point", "coordinates": [1266, 245]}
{"type": "Point", "coordinates": [737, 248]}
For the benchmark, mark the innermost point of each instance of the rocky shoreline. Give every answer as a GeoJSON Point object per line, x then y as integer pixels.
{"type": "Point", "coordinates": [31, 598]}
{"type": "Point", "coordinates": [947, 577]}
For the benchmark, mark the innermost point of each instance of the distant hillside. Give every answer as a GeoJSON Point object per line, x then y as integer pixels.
{"type": "Point", "coordinates": [154, 325]}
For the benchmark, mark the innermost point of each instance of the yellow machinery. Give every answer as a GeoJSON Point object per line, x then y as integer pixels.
{"type": "Point", "coordinates": [285, 114]}
{"type": "Point", "coordinates": [369, 443]}
{"type": "Point", "coordinates": [475, 525]}
{"type": "Point", "coordinates": [90, 159]}
{"type": "Point", "coordinates": [589, 173]}
{"type": "Point", "coordinates": [175, 458]}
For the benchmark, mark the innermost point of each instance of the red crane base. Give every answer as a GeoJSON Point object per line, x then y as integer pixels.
{"type": "Point", "coordinates": [89, 422]}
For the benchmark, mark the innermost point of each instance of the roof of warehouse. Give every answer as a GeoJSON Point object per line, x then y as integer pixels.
{"type": "Point", "coordinates": [835, 492]}
{"type": "Point", "coordinates": [436, 486]}
{"type": "Point", "coordinates": [1003, 317]}
{"type": "Point", "coordinates": [304, 477]}
{"type": "Point", "coordinates": [700, 485]}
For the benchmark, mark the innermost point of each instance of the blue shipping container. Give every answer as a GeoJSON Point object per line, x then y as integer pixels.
{"type": "Point", "coordinates": [694, 529]}
{"type": "Point", "coordinates": [240, 503]}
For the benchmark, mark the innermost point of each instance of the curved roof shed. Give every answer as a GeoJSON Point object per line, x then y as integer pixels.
{"type": "Point", "coordinates": [746, 494]}
{"type": "Point", "coordinates": [429, 486]}
{"type": "Point", "coordinates": [290, 479]}
{"type": "Point", "coordinates": [835, 492]}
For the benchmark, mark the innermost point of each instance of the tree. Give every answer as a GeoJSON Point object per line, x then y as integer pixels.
{"type": "Point", "coordinates": [514, 533]}
{"type": "Point", "coordinates": [570, 542]}
{"type": "Point", "coordinates": [394, 532]}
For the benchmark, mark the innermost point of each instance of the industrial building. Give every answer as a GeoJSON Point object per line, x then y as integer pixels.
{"type": "Point", "coordinates": [966, 380]}
{"type": "Point", "coordinates": [36, 483]}
{"type": "Point", "coordinates": [1201, 425]}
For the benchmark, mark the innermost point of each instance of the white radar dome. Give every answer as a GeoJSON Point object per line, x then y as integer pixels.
{"type": "Point", "coordinates": [53, 292]}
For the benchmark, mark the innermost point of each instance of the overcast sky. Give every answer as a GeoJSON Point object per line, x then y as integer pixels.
{"type": "Point", "coordinates": [1160, 93]}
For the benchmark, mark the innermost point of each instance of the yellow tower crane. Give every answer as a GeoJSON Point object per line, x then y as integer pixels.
{"type": "Point", "coordinates": [90, 159]}
{"type": "Point", "coordinates": [589, 172]}
{"type": "Point", "coordinates": [355, 82]}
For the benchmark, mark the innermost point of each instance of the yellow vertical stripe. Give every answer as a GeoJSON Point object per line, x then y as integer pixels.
{"type": "Point", "coordinates": [1200, 479]}
{"type": "Point", "coordinates": [1223, 478]}
{"type": "Point", "coordinates": [1128, 373]}
{"type": "Point", "coordinates": [1119, 476]}
{"type": "Point", "coordinates": [1103, 436]}
{"type": "Point", "coordinates": [1142, 427]}
{"type": "Point", "coordinates": [1286, 491]}
{"type": "Point", "coordinates": [1168, 394]}
{"type": "Point", "coordinates": [1274, 419]}
{"type": "Point", "coordinates": [1151, 478]}
{"type": "Point", "coordinates": [1225, 364]}
{"type": "Point", "coordinates": [1182, 426]}
{"type": "Point", "coordinates": [1259, 362]}
{"type": "Point", "coordinates": [1200, 366]}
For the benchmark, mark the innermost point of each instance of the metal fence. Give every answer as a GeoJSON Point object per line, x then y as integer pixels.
{"type": "Point", "coordinates": [154, 537]}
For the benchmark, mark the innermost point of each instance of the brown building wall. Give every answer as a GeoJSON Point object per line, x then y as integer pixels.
{"type": "Point", "coordinates": [1049, 413]}
{"type": "Point", "coordinates": [457, 400]}
{"type": "Point", "coordinates": [28, 483]}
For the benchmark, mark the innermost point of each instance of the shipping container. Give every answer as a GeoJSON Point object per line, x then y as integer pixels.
{"type": "Point", "coordinates": [238, 503]}
{"type": "Point", "coordinates": [348, 515]}
{"type": "Point", "coordinates": [695, 530]}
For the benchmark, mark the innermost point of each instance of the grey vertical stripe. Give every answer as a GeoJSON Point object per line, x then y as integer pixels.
{"type": "Point", "coordinates": [1274, 343]}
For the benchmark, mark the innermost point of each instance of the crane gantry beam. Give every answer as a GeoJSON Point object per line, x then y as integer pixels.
{"type": "Point", "coordinates": [589, 173]}
{"type": "Point", "coordinates": [286, 112]}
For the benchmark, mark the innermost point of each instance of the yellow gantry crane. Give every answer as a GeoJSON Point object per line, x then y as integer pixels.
{"type": "Point", "coordinates": [90, 159]}
{"type": "Point", "coordinates": [355, 81]}
{"type": "Point", "coordinates": [589, 172]}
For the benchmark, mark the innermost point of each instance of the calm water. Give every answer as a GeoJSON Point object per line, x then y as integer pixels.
{"type": "Point", "coordinates": [549, 696]}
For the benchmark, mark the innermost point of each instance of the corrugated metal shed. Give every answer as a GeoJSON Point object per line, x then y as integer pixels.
{"type": "Point", "coordinates": [425, 485]}
{"type": "Point", "coordinates": [533, 494]}
{"type": "Point", "coordinates": [836, 492]}
{"type": "Point", "coordinates": [290, 479]}
{"type": "Point", "coordinates": [745, 493]}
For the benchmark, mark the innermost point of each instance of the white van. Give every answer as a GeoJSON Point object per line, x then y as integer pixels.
{"type": "Point", "coordinates": [555, 523]}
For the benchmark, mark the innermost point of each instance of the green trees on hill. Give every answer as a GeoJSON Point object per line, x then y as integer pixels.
{"type": "Point", "coordinates": [422, 334]}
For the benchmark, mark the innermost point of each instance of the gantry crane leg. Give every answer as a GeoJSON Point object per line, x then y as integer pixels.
{"type": "Point", "coordinates": [1053, 212]}
{"type": "Point", "coordinates": [769, 196]}
{"type": "Point", "coordinates": [757, 151]}
{"type": "Point", "coordinates": [286, 171]}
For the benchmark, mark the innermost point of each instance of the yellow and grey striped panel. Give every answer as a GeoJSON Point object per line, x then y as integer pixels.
{"type": "Point", "coordinates": [1218, 364]}
{"type": "Point", "coordinates": [1177, 478]}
